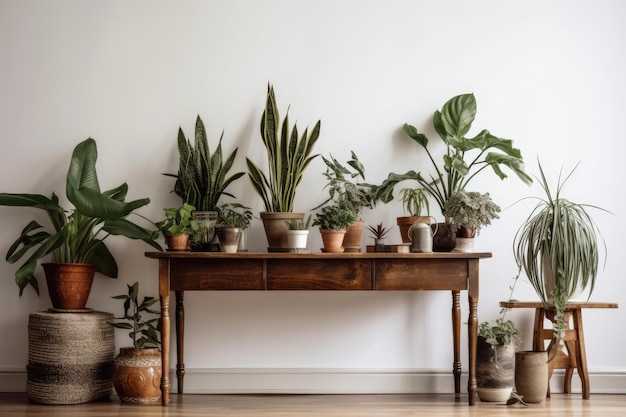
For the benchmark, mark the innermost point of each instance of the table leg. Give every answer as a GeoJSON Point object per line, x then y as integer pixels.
{"type": "Point", "coordinates": [456, 338]}
{"type": "Point", "coordinates": [581, 354]}
{"type": "Point", "coordinates": [472, 327]}
{"type": "Point", "coordinates": [180, 340]}
{"type": "Point", "coordinates": [164, 297]}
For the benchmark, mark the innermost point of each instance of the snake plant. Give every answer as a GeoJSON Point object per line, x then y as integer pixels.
{"type": "Point", "coordinates": [288, 154]}
{"type": "Point", "coordinates": [77, 235]}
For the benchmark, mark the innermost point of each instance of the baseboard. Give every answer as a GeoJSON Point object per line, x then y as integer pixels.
{"type": "Point", "coordinates": [334, 381]}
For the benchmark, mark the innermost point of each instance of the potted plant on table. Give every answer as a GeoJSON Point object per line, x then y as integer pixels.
{"type": "Point", "coordinates": [233, 219]}
{"type": "Point", "coordinates": [464, 158]}
{"type": "Point", "coordinates": [333, 222]}
{"type": "Point", "coordinates": [76, 236]}
{"type": "Point", "coordinates": [468, 212]}
{"type": "Point", "coordinates": [298, 234]}
{"type": "Point", "coordinates": [201, 181]}
{"type": "Point", "coordinates": [416, 209]}
{"type": "Point", "coordinates": [178, 227]}
{"type": "Point", "coordinates": [137, 369]}
{"type": "Point", "coordinates": [378, 234]}
{"type": "Point", "coordinates": [288, 155]}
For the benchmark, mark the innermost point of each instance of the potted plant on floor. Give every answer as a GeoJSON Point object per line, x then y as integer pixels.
{"type": "Point", "coordinates": [468, 212]}
{"type": "Point", "coordinates": [201, 181]}
{"type": "Point", "coordinates": [298, 234]}
{"type": "Point", "coordinates": [76, 236]}
{"type": "Point", "coordinates": [178, 227]}
{"type": "Point", "coordinates": [464, 158]}
{"type": "Point", "coordinates": [233, 219]}
{"type": "Point", "coordinates": [333, 222]}
{"type": "Point", "coordinates": [288, 155]}
{"type": "Point", "coordinates": [137, 369]}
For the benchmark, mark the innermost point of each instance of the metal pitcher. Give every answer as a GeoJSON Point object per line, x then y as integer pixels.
{"type": "Point", "coordinates": [421, 236]}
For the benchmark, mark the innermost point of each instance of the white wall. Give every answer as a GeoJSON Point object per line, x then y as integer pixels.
{"type": "Point", "coordinates": [548, 75]}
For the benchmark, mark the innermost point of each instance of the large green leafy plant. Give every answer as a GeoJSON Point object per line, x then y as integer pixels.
{"type": "Point", "coordinates": [288, 154]}
{"type": "Point", "coordinates": [76, 235]}
{"type": "Point", "coordinates": [464, 157]}
{"type": "Point", "coordinates": [143, 332]}
{"type": "Point", "coordinates": [202, 177]}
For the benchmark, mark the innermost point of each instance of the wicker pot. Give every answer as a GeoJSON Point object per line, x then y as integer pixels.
{"type": "Point", "coordinates": [137, 375]}
{"type": "Point", "coordinates": [69, 285]}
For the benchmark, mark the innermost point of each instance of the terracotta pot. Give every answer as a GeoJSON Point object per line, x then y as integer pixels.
{"type": "Point", "coordinates": [405, 223]}
{"type": "Point", "coordinates": [137, 375]}
{"type": "Point", "coordinates": [275, 225]}
{"type": "Point", "coordinates": [177, 241]}
{"type": "Point", "coordinates": [445, 238]}
{"type": "Point", "coordinates": [69, 285]}
{"type": "Point", "coordinates": [352, 239]}
{"type": "Point", "coordinates": [531, 375]}
{"type": "Point", "coordinates": [229, 238]}
{"type": "Point", "coordinates": [495, 371]}
{"type": "Point", "coordinates": [333, 240]}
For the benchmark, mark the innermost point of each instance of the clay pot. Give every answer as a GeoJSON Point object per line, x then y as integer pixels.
{"type": "Point", "coordinates": [69, 285]}
{"type": "Point", "coordinates": [495, 370]}
{"type": "Point", "coordinates": [137, 375]}
{"type": "Point", "coordinates": [275, 225]}
{"type": "Point", "coordinates": [177, 242]}
{"type": "Point", "coordinates": [333, 240]}
{"type": "Point", "coordinates": [405, 223]}
{"type": "Point", "coordinates": [352, 239]}
{"type": "Point", "coordinates": [531, 375]}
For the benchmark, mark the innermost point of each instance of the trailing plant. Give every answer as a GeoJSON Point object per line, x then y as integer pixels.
{"type": "Point", "coordinates": [463, 159]}
{"type": "Point", "coordinates": [234, 215]}
{"type": "Point", "coordinates": [471, 210]}
{"type": "Point", "coordinates": [179, 220]}
{"type": "Point", "coordinates": [499, 332]}
{"type": "Point", "coordinates": [288, 155]}
{"type": "Point", "coordinates": [143, 332]}
{"type": "Point", "coordinates": [202, 177]}
{"type": "Point", "coordinates": [378, 232]}
{"type": "Point", "coordinates": [297, 224]}
{"type": "Point", "coordinates": [76, 235]}
{"type": "Point", "coordinates": [333, 217]}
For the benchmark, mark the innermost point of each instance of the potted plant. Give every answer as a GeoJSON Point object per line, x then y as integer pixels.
{"type": "Point", "coordinates": [467, 212]}
{"type": "Point", "coordinates": [233, 219]}
{"type": "Point", "coordinates": [464, 158]}
{"type": "Point", "coordinates": [378, 234]}
{"type": "Point", "coordinates": [558, 248]}
{"type": "Point", "coordinates": [178, 226]}
{"type": "Point", "coordinates": [202, 179]}
{"type": "Point", "coordinates": [416, 209]}
{"type": "Point", "coordinates": [76, 237]}
{"type": "Point", "coordinates": [137, 369]}
{"type": "Point", "coordinates": [495, 359]}
{"type": "Point", "coordinates": [350, 194]}
{"type": "Point", "coordinates": [288, 155]}
{"type": "Point", "coordinates": [333, 221]}
{"type": "Point", "coordinates": [297, 234]}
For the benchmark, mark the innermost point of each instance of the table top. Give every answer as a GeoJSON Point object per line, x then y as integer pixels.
{"type": "Point", "coordinates": [570, 305]}
{"type": "Point", "coordinates": [317, 255]}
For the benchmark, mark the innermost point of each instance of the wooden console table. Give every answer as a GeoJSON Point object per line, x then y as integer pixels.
{"type": "Point", "coordinates": [215, 271]}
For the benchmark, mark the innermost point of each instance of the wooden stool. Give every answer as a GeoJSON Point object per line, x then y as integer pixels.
{"type": "Point", "coordinates": [573, 339]}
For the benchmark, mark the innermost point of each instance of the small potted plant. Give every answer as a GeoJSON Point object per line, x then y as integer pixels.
{"type": "Point", "coordinates": [378, 234]}
{"type": "Point", "coordinates": [467, 212]}
{"type": "Point", "coordinates": [416, 209]}
{"type": "Point", "coordinates": [137, 369]}
{"type": "Point", "coordinates": [297, 234]}
{"type": "Point", "coordinates": [333, 221]}
{"type": "Point", "coordinates": [178, 227]}
{"type": "Point", "coordinates": [233, 219]}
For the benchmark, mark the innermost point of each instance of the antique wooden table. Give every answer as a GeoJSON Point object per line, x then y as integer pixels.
{"type": "Point", "coordinates": [216, 271]}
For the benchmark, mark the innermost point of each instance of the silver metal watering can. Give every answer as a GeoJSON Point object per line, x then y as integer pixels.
{"type": "Point", "coordinates": [421, 236]}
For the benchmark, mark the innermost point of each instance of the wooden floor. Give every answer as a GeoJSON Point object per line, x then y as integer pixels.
{"type": "Point", "coordinates": [195, 405]}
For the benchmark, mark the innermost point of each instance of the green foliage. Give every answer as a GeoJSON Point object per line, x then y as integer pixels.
{"type": "Point", "coordinates": [333, 217]}
{"type": "Point", "coordinates": [234, 215]}
{"type": "Point", "coordinates": [142, 332]}
{"type": "Point", "coordinates": [287, 155]}
{"type": "Point", "coordinates": [499, 332]}
{"type": "Point", "coordinates": [379, 231]}
{"type": "Point", "coordinates": [470, 209]}
{"type": "Point", "coordinates": [463, 159]}
{"type": "Point", "coordinates": [179, 220]}
{"type": "Point", "coordinates": [415, 201]}
{"type": "Point", "coordinates": [202, 177]}
{"type": "Point", "coordinates": [298, 224]}
{"type": "Point", "coordinates": [76, 236]}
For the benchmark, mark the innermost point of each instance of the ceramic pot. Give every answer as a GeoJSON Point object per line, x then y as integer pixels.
{"type": "Point", "coordinates": [531, 375]}
{"type": "Point", "coordinates": [333, 240]}
{"type": "Point", "coordinates": [275, 225]}
{"type": "Point", "coordinates": [352, 238]}
{"type": "Point", "coordinates": [445, 238]}
{"type": "Point", "coordinates": [297, 239]}
{"type": "Point", "coordinates": [137, 375]}
{"type": "Point", "coordinates": [69, 285]}
{"type": "Point", "coordinates": [229, 238]}
{"type": "Point", "coordinates": [495, 371]}
{"type": "Point", "coordinates": [177, 241]}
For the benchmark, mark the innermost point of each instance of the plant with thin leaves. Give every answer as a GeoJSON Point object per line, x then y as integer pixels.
{"type": "Point", "coordinates": [415, 201]}
{"type": "Point", "coordinates": [378, 232]}
{"type": "Point", "coordinates": [463, 159]}
{"type": "Point", "coordinates": [76, 235]}
{"type": "Point", "coordinates": [142, 332]}
{"type": "Point", "coordinates": [288, 155]}
{"type": "Point", "coordinates": [202, 176]}
{"type": "Point", "coordinates": [557, 247]}
{"type": "Point", "coordinates": [297, 224]}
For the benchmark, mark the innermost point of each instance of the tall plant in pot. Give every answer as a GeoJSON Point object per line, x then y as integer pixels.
{"type": "Point", "coordinates": [288, 155]}
{"type": "Point", "coordinates": [75, 237]}
{"type": "Point", "coordinates": [464, 157]}
{"type": "Point", "coordinates": [202, 179]}
{"type": "Point", "coordinates": [468, 212]}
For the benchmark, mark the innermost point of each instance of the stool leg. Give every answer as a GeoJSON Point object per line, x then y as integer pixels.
{"type": "Point", "coordinates": [569, 371]}
{"type": "Point", "coordinates": [581, 354]}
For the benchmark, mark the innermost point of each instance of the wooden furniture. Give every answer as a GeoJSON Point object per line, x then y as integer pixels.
{"type": "Point", "coordinates": [574, 356]}
{"type": "Point", "coordinates": [214, 271]}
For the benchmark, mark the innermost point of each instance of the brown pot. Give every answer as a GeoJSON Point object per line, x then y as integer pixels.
{"type": "Point", "coordinates": [69, 285]}
{"type": "Point", "coordinates": [137, 375]}
{"type": "Point", "coordinates": [177, 241]}
{"type": "Point", "coordinates": [275, 225]}
{"type": "Point", "coordinates": [352, 239]}
{"type": "Point", "coordinates": [445, 238]}
{"type": "Point", "coordinates": [405, 223]}
{"type": "Point", "coordinates": [333, 240]}
{"type": "Point", "coordinates": [531, 375]}
{"type": "Point", "coordinates": [229, 238]}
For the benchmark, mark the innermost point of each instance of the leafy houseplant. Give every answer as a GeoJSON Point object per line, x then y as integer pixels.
{"type": "Point", "coordinates": [470, 210]}
{"type": "Point", "coordinates": [557, 247]}
{"type": "Point", "coordinates": [179, 226]}
{"type": "Point", "coordinates": [333, 217]}
{"type": "Point", "coordinates": [143, 332]}
{"type": "Point", "coordinates": [234, 215]}
{"type": "Point", "coordinates": [76, 236]}
{"type": "Point", "coordinates": [416, 209]}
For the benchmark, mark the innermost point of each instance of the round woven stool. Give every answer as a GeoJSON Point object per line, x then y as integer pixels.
{"type": "Point", "coordinates": [70, 357]}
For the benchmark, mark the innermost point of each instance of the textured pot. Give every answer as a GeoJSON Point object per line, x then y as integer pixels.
{"type": "Point", "coordinates": [333, 240]}
{"type": "Point", "coordinates": [445, 238]}
{"type": "Point", "coordinates": [69, 285]}
{"type": "Point", "coordinates": [464, 244]}
{"type": "Point", "coordinates": [531, 375]}
{"type": "Point", "coordinates": [275, 225]}
{"type": "Point", "coordinates": [177, 242]}
{"type": "Point", "coordinates": [352, 239]}
{"type": "Point", "coordinates": [495, 371]}
{"type": "Point", "coordinates": [137, 375]}
{"type": "Point", "coordinates": [229, 238]}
